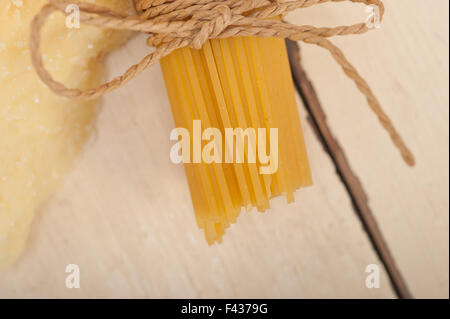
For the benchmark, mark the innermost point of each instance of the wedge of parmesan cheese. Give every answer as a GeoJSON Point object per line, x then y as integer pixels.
{"type": "Point", "coordinates": [41, 133]}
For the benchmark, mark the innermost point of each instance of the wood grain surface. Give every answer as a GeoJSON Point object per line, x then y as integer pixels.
{"type": "Point", "coordinates": [124, 214]}
{"type": "Point", "coordinates": [406, 64]}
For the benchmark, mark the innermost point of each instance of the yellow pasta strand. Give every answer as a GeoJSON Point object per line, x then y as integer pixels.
{"type": "Point", "coordinates": [237, 83]}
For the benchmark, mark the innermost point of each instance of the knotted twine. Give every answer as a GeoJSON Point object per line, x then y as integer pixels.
{"type": "Point", "coordinates": [173, 24]}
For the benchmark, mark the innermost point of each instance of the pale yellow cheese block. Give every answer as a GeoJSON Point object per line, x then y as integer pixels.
{"type": "Point", "coordinates": [41, 133]}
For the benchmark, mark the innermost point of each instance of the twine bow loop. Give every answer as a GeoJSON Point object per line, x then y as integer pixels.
{"type": "Point", "coordinates": [201, 26]}
{"type": "Point", "coordinates": [213, 24]}
{"type": "Point", "coordinates": [173, 24]}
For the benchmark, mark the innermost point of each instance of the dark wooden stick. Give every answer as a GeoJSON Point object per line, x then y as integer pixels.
{"type": "Point", "coordinates": [354, 187]}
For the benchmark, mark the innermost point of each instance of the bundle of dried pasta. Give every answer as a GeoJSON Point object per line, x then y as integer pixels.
{"type": "Point", "coordinates": [241, 86]}
{"type": "Point", "coordinates": [218, 76]}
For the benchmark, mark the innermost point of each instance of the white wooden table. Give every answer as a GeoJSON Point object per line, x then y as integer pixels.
{"type": "Point", "coordinates": [124, 213]}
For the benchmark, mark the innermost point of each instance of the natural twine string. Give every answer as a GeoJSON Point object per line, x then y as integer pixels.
{"type": "Point", "coordinates": [174, 24]}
